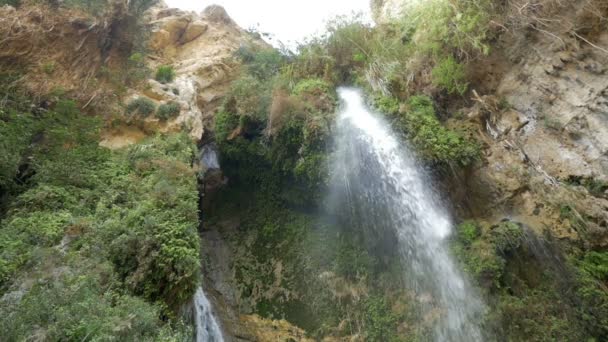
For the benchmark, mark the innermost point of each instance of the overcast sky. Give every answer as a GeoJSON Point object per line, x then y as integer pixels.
{"type": "Point", "coordinates": [287, 20]}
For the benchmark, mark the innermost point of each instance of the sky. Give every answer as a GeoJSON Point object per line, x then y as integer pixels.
{"type": "Point", "coordinates": [288, 20]}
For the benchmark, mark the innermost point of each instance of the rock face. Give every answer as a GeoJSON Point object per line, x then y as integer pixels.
{"type": "Point", "coordinates": [548, 142]}
{"type": "Point", "coordinates": [200, 48]}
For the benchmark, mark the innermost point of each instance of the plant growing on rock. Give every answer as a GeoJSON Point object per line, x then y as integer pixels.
{"type": "Point", "coordinates": [165, 74]}
{"type": "Point", "coordinates": [141, 106]}
{"type": "Point", "coordinates": [167, 111]}
{"type": "Point", "coordinates": [450, 75]}
{"type": "Point", "coordinates": [436, 143]}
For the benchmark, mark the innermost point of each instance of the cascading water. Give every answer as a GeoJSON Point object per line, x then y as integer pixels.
{"type": "Point", "coordinates": [207, 327]}
{"type": "Point", "coordinates": [387, 194]}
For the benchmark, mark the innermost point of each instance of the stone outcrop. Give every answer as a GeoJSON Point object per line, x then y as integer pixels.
{"type": "Point", "coordinates": [543, 122]}
{"type": "Point", "coordinates": [200, 48]}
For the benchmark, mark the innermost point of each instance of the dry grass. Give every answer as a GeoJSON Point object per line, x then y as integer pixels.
{"type": "Point", "coordinates": [282, 107]}
{"type": "Point", "coordinates": [77, 45]}
{"type": "Point", "coordinates": [559, 20]}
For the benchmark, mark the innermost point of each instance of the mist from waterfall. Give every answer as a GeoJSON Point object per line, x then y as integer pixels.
{"type": "Point", "coordinates": [384, 191]}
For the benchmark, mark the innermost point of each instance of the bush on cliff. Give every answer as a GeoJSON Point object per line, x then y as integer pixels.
{"type": "Point", "coordinates": [113, 233]}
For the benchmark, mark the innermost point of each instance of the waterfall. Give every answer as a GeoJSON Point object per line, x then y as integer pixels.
{"type": "Point", "coordinates": [388, 196]}
{"type": "Point", "coordinates": [207, 327]}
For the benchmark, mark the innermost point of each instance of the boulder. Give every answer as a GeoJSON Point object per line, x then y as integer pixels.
{"type": "Point", "coordinates": [168, 31]}
{"type": "Point", "coordinates": [194, 30]}
{"type": "Point", "coordinates": [217, 14]}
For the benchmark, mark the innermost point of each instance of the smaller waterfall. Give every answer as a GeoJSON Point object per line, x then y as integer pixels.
{"type": "Point", "coordinates": [209, 159]}
{"type": "Point", "coordinates": [207, 327]}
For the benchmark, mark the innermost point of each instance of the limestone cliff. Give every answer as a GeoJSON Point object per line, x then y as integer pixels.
{"type": "Point", "coordinates": [200, 47]}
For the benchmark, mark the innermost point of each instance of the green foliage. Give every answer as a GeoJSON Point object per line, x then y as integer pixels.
{"type": "Point", "coordinates": [82, 307]}
{"type": "Point", "coordinates": [538, 315]}
{"type": "Point", "coordinates": [250, 97]}
{"type": "Point", "coordinates": [14, 3]}
{"type": "Point", "coordinates": [312, 86]}
{"type": "Point", "coordinates": [482, 262]}
{"type": "Point", "coordinates": [533, 294]}
{"type": "Point", "coordinates": [450, 75]}
{"type": "Point", "coordinates": [165, 74]}
{"type": "Point", "coordinates": [568, 212]}
{"type": "Point", "coordinates": [130, 217]}
{"type": "Point", "coordinates": [380, 322]}
{"type": "Point", "coordinates": [468, 232]}
{"type": "Point", "coordinates": [48, 68]}
{"type": "Point", "coordinates": [94, 7]}
{"type": "Point", "coordinates": [593, 308]}
{"type": "Point", "coordinates": [348, 44]}
{"type": "Point", "coordinates": [596, 265]}
{"type": "Point", "coordinates": [16, 131]}
{"type": "Point", "coordinates": [167, 111]}
{"type": "Point", "coordinates": [136, 68]}
{"type": "Point", "coordinates": [264, 64]}
{"type": "Point", "coordinates": [20, 235]}
{"type": "Point", "coordinates": [141, 106]}
{"type": "Point", "coordinates": [436, 143]}
{"type": "Point", "coordinates": [443, 26]}
{"type": "Point", "coordinates": [507, 236]}
{"type": "Point", "coordinates": [138, 7]}
{"type": "Point", "coordinates": [595, 186]}
{"type": "Point", "coordinates": [352, 261]}
{"type": "Point", "coordinates": [386, 104]}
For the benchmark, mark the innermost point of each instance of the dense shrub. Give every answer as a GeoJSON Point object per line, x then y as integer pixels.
{"type": "Point", "coordinates": [450, 75]}
{"type": "Point", "coordinates": [380, 322]}
{"type": "Point", "coordinates": [386, 104]}
{"type": "Point", "coordinates": [165, 74]}
{"type": "Point", "coordinates": [109, 236]}
{"type": "Point", "coordinates": [507, 236]}
{"type": "Point", "coordinates": [312, 86]}
{"type": "Point", "coordinates": [592, 275]}
{"type": "Point", "coordinates": [167, 111]}
{"type": "Point", "coordinates": [432, 140]}
{"type": "Point", "coordinates": [468, 232]}
{"type": "Point", "coordinates": [262, 64]}
{"type": "Point", "coordinates": [89, 309]}
{"type": "Point", "coordinates": [141, 106]}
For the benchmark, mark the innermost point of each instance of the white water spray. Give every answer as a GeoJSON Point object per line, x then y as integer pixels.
{"type": "Point", "coordinates": [388, 195]}
{"type": "Point", "coordinates": [207, 327]}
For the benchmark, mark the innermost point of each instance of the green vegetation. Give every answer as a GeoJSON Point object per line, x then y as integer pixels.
{"type": "Point", "coordinates": [450, 75]}
{"type": "Point", "coordinates": [533, 294]}
{"type": "Point", "coordinates": [165, 74]}
{"type": "Point", "coordinates": [274, 122]}
{"type": "Point", "coordinates": [387, 104]}
{"type": "Point", "coordinates": [468, 232]}
{"type": "Point", "coordinates": [14, 3]}
{"type": "Point", "coordinates": [312, 87]}
{"type": "Point", "coordinates": [380, 322]}
{"type": "Point", "coordinates": [263, 64]}
{"type": "Point", "coordinates": [434, 142]}
{"type": "Point", "coordinates": [167, 111]}
{"type": "Point", "coordinates": [596, 187]}
{"type": "Point", "coordinates": [137, 69]}
{"type": "Point", "coordinates": [507, 237]}
{"type": "Point", "coordinates": [141, 106]}
{"type": "Point", "coordinates": [99, 244]}
{"type": "Point", "coordinates": [48, 68]}
{"type": "Point", "coordinates": [135, 9]}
